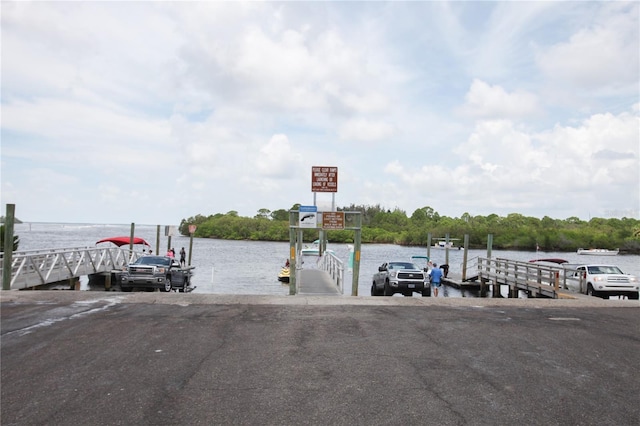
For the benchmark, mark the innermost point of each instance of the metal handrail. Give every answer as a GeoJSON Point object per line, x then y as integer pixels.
{"type": "Point", "coordinates": [37, 267]}
{"type": "Point", "coordinates": [330, 263]}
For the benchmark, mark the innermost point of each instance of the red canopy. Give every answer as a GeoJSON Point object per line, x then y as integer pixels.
{"type": "Point", "coordinates": [552, 260]}
{"type": "Point", "coordinates": [121, 241]}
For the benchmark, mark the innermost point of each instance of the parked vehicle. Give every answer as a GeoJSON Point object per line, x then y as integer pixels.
{"type": "Point", "coordinates": [400, 277]}
{"type": "Point", "coordinates": [151, 272]}
{"type": "Point", "coordinates": [601, 280]}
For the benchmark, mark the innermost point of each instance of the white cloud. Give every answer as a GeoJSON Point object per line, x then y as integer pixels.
{"type": "Point", "coordinates": [227, 105]}
{"type": "Point", "coordinates": [365, 130]}
{"type": "Point", "coordinates": [601, 56]}
{"type": "Point", "coordinates": [486, 101]}
{"type": "Point", "coordinates": [276, 159]}
{"type": "Point", "coordinates": [504, 169]}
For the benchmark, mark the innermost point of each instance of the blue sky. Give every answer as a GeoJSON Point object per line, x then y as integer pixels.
{"type": "Point", "coordinates": [151, 112]}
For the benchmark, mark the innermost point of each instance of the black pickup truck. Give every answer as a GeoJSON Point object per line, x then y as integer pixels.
{"type": "Point", "coordinates": [151, 272]}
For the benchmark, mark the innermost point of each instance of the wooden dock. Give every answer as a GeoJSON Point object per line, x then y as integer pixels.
{"type": "Point", "coordinates": [534, 279]}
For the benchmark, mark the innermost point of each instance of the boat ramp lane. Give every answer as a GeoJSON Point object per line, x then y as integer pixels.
{"type": "Point", "coordinates": [316, 282]}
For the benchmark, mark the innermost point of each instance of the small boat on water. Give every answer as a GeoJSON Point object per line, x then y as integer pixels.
{"type": "Point", "coordinates": [598, 252]}
{"type": "Point", "coordinates": [445, 245]}
{"type": "Point", "coordinates": [313, 249]}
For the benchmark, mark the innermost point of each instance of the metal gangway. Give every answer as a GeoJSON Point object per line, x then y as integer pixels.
{"type": "Point", "coordinates": [334, 267]}
{"type": "Point", "coordinates": [34, 268]}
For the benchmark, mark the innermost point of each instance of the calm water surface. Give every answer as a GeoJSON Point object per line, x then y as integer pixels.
{"type": "Point", "coordinates": [251, 267]}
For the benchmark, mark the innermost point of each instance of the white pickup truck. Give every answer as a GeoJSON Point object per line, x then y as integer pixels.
{"type": "Point", "coordinates": [601, 280]}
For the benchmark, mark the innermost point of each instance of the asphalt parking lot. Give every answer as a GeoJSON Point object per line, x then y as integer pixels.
{"type": "Point", "coordinates": [75, 358]}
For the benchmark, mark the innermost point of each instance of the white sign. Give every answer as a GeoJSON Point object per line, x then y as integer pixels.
{"type": "Point", "coordinates": [308, 216]}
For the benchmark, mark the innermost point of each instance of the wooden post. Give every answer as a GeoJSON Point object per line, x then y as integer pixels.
{"type": "Point", "coordinates": [446, 248]}
{"type": "Point", "coordinates": [464, 257]}
{"type": "Point", "coordinates": [7, 258]}
{"type": "Point", "coordinates": [190, 246]}
{"type": "Point", "coordinates": [292, 261]}
{"type": "Point", "coordinates": [496, 285]}
{"type": "Point", "coordinates": [107, 281]}
{"type": "Point", "coordinates": [133, 233]}
{"type": "Point", "coordinates": [429, 245]}
{"type": "Point", "coordinates": [158, 240]}
{"type": "Point", "coordinates": [356, 261]}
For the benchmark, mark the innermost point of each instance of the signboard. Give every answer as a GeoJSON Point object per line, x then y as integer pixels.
{"type": "Point", "coordinates": [169, 231]}
{"type": "Point", "coordinates": [308, 216]}
{"type": "Point", "coordinates": [324, 179]}
{"type": "Point", "coordinates": [192, 229]}
{"type": "Point", "coordinates": [333, 220]}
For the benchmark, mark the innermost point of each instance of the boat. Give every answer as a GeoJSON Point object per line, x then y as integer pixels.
{"type": "Point", "coordinates": [445, 245]}
{"type": "Point", "coordinates": [284, 274]}
{"type": "Point", "coordinates": [598, 252]}
{"type": "Point", "coordinates": [313, 249]}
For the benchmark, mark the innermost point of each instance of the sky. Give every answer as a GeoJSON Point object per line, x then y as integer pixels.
{"type": "Point", "coordinates": [154, 112]}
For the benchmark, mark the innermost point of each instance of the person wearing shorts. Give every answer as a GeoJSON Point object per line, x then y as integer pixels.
{"type": "Point", "coordinates": [436, 279]}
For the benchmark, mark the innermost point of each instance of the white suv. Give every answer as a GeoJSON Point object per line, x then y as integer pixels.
{"type": "Point", "coordinates": [602, 281]}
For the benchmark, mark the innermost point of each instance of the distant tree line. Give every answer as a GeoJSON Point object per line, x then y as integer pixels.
{"type": "Point", "coordinates": [384, 226]}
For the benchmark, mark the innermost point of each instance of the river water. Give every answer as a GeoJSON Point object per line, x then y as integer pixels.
{"type": "Point", "coordinates": [251, 267]}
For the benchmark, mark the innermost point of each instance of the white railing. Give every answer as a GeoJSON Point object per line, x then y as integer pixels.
{"type": "Point", "coordinates": [37, 267]}
{"type": "Point", "coordinates": [335, 267]}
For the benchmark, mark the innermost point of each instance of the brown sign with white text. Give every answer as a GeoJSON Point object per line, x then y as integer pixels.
{"type": "Point", "coordinates": [332, 220]}
{"type": "Point", "coordinates": [324, 179]}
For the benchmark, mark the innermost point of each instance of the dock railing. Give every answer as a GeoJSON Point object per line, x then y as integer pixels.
{"type": "Point", "coordinates": [535, 279]}
{"type": "Point", "coordinates": [330, 263]}
{"type": "Point", "coordinates": [32, 268]}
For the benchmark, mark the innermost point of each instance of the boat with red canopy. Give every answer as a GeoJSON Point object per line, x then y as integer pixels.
{"type": "Point", "coordinates": [122, 241]}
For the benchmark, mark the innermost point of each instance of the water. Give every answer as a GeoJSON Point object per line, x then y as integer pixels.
{"type": "Point", "coordinates": [251, 267]}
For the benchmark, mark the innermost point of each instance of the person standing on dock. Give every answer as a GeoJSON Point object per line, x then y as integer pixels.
{"type": "Point", "coordinates": [183, 255]}
{"type": "Point", "coordinates": [436, 278]}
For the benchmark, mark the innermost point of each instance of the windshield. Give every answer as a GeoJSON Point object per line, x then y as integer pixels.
{"type": "Point", "coordinates": [604, 269]}
{"type": "Point", "coordinates": [402, 265]}
{"type": "Point", "coordinates": [153, 260]}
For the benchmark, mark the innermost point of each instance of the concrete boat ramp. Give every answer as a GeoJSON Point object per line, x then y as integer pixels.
{"type": "Point", "coordinates": [107, 358]}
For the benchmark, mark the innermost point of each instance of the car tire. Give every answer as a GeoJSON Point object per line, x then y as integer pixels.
{"type": "Point", "coordinates": [634, 296]}
{"type": "Point", "coordinates": [185, 284]}
{"type": "Point", "coordinates": [387, 289]}
{"type": "Point", "coordinates": [426, 292]}
{"type": "Point", "coordinates": [126, 289]}
{"type": "Point", "coordinates": [374, 291]}
{"type": "Point", "coordinates": [591, 291]}
{"type": "Point", "coordinates": [167, 285]}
